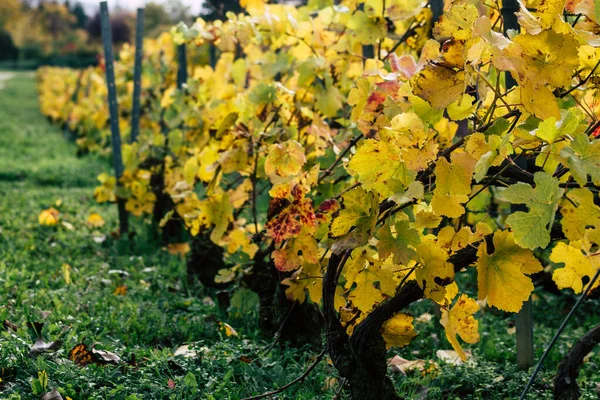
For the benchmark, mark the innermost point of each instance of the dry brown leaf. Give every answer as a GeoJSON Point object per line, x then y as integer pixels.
{"type": "Point", "coordinates": [451, 356]}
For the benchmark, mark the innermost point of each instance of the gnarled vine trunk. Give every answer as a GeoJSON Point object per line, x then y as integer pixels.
{"type": "Point", "coordinates": [565, 381]}
{"type": "Point", "coordinates": [361, 358]}
{"type": "Point", "coordinates": [297, 323]}
{"type": "Point", "coordinates": [205, 261]}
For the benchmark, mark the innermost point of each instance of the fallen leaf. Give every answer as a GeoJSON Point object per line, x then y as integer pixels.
{"type": "Point", "coordinates": [98, 238]}
{"type": "Point", "coordinates": [451, 356]}
{"type": "Point", "coordinates": [207, 301]}
{"type": "Point", "coordinates": [9, 325]}
{"type": "Point", "coordinates": [52, 395]}
{"type": "Point", "coordinates": [185, 351]}
{"type": "Point", "coordinates": [171, 384]}
{"type": "Point", "coordinates": [68, 225]}
{"type": "Point", "coordinates": [330, 383]}
{"type": "Point", "coordinates": [402, 365]}
{"type": "Point", "coordinates": [180, 249]}
{"type": "Point", "coordinates": [424, 318]}
{"type": "Point", "coordinates": [229, 331]}
{"type": "Point", "coordinates": [41, 347]}
{"type": "Point", "coordinates": [66, 270]}
{"type": "Point", "coordinates": [95, 220]}
{"type": "Point", "coordinates": [81, 355]}
{"type": "Point", "coordinates": [49, 217]}
{"type": "Point", "coordinates": [106, 357]}
{"type": "Point", "coordinates": [120, 290]}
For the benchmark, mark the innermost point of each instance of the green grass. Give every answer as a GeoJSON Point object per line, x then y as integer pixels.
{"type": "Point", "coordinates": [161, 311]}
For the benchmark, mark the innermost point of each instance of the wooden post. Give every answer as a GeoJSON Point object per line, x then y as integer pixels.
{"type": "Point", "coordinates": [437, 10]}
{"type": "Point", "coordinates": [212, 50]}
{"type": "Point", "coordinates": [368, 51]}
{"type": "Point", "coordinates": [524, 325]}
{"type": "Point", "coordinates": [137, 75]}
{"type": "Point", "coordinates": [524, 319]}
{"type": "Point", "coordinates": [182, 74]}
{"type": "Point", "coordinates": [113, 110]}
{"type": "Point", "coordinates": [509, 8]}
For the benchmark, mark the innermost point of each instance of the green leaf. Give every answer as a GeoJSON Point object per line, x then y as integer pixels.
{"type": "Point", "coordinates": [532, 229]}
{"type": "Point", "coordinates": [583, 159]}
{"type": "Point", "coordinates": [190, 381]}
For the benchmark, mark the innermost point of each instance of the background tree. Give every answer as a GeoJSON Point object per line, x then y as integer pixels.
{"type": "Point", "coordinates": [216, 9]}
{"type": "Point", "coordinates": [121, 23]}
{"type": "Point", "coordinates": [79, 12]}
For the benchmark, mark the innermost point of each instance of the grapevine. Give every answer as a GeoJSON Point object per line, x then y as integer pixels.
{"type": "Point", "coordinates": [370, 183]}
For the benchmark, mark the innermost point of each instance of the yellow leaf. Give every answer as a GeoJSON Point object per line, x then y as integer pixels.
{"type": "Point", "coordinates": [398, 330]}
{"type": "Point", "coordinates": [285, 159]}
{"type": "Point", "coordinates": [354, 223]}
{"type": "Point", "coordinates": [580, 216]}
{"type": "Point", "coordinates": [546, 12]}
{"type": "Point", "coordinates": [457, 23]}
{"type": "Point", "coordinates": [95, 220]}
{"type": "Point", "coordinates": [120, 290]}
{"type": "Point", "coordinates": [229, 331]}
{"type": "Point", "coordinates": [167, 98]}
{"type": "Point", "coordinates": [366, 294]}
{"type": "Point", "coordinates": [539, 101]}
{"type": "Point", "coordinates": [308, 277]}
{"type": "Point", "coordinates": [399, 244]}
{"type": "Point", "coordinates": [180, 249]}
{"type": "Point", "coordinates": [462, 108]}
{"type": "Point", "coordinates": [106, 191]}
{"type": "Point", "coordinates": [49, 217]}
{"type": "Point", "coordinates": [459, 320]}
{"type": "Point", "coordinates": [253, 5]}
{"type": "Point", "coordinates": [379, 168]}
{"type": "Point", "coordinates": [190, 170]}
{"type": "Point", "coordinates": [66, 270]}
{"type": "Point", "coordinates": [577, 267]}
{"type": "Point", "coordinates": [440, 86]}
{"type": "Point", "coordinates": [368, 29]}
{"type": "Point", "coordinates": [501, 276]}
{"type": "Point", "coordinates": [453, 184]}
{"type": "Point", "coordinates": [296, 250]}
{"type": "Point", "coordinates": [434, 272]}
{"type": "Point", "coordinates": [238, 239]}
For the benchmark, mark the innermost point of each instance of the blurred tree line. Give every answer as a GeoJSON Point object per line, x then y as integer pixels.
{"type": "Point", "coordinates": [60, 32]}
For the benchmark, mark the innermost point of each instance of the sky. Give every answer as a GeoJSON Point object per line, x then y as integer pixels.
{"type": "Point", "coordinates": [92, 5]}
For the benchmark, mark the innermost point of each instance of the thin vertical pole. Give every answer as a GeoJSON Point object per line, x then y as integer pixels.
{"type": "Point", "coordinates": [113, 109]}
{"type": "Point", "coordinates": [509, 19]}
{"type": "Point", "coordinates": [437, 10]}
{"type": "Point", "coordinates": [368, 51]}
{"type": "Point", "coordinates": [182, 74]}
{"type": "Point", "coordinates": [137, 75]}
{"type": "Point", "coordinates": [524, 319]}
{"type": "Point", "coordinates": [212, 53]}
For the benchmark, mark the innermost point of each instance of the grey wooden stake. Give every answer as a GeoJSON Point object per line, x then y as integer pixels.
{"type": "Point", "coordinates": [509, 8]}
{"type": "Point", "coordinates": [524, 319]}
{"type": "Point", "coordinates": [113, 108]}
{"type": "Point", "coordinates": [437, 10]}
{"type": "Point", "coordinates": [212, 53]}
{"type": "Point", "coordinates": [182, 74]}
{"type": "Point", "coordinates": [137, 75]}
{"type": "Point", "coordinates": [368, 51]}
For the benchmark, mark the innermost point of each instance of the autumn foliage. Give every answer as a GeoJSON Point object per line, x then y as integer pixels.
{"type": "Point", "coordinates": [373, 182]}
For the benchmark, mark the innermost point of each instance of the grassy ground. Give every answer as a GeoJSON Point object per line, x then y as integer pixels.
{"type": "Point", "coordinates": [160, 311]}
